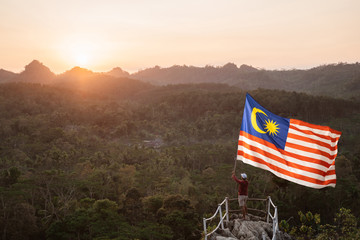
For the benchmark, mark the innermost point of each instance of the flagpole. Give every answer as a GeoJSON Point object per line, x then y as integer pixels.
{"type": "Point", "coordinates": [234, 173]}
{"type": "Point", "coordinates": [235, 165]}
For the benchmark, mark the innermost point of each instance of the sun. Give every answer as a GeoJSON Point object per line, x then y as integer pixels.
{"type": "Point", "coordinates": [84, 50]}
{"type": "Point", "coordinates": [79, 50]}
{"type": "Point", "coordinates": [81, 59]}
{"type": "Point", "coordinates": [271, 127]}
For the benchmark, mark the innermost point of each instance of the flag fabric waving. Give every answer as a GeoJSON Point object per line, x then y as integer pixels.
{"type": "Point", "coordinates": [295, 150]}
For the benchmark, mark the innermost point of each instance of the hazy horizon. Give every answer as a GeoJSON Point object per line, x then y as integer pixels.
{"type": "Point", "coordinates": [142, 34]}
{"type": "Point", "coordinates": [155, 65]}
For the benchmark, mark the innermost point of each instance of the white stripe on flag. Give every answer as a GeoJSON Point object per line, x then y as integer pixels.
{"type": "Point", "coordinates": [311, 145]}
{"type": "Point", "coordinates": [283, 163]}
{"type": "Point", "coordinates": [317, 131]}
{"type": "Point", "coordinates": [313, 137]}
{"type": "Point", "coordinates": [291, 179]}
{"type": "Point", "coordinates": [285, 157]}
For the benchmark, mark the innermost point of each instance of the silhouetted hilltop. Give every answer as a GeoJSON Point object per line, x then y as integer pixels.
{"type": "Point", "coordinates": [5, 76]}
{"type": "Point", "coordinates": [176, 74]}
{"type": "Point", "coordinates": [340, 80]}
{"type": "Point", "coordinates": [76, 73]}
{"type": "Point", "coordinates": [118, 72]}
{"type": "Point", "coordinates": [35, 72]}
{"type": "Point", "coordinates": [337, 80]}
{"type": "Point", "coordinates": [247, 68]}
{"type": "Point", "coordinates": [187, 74]}
{"type": "Point", "coordinates": [100, 83]}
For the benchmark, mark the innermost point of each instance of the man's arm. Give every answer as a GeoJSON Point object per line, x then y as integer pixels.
{"type": "Point", "coordinates": [235, 178]}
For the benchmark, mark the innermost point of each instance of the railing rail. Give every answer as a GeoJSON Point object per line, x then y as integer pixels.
{"type": "Point", "coordinates": [221, 217]}
{"type": "Point", "coordinates": [268, 215]}
{"type": "Point", "coordinates": [260, 211]}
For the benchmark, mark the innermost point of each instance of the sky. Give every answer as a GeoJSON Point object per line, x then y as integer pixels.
{"type": "Point", "coordinates": [138, 34]}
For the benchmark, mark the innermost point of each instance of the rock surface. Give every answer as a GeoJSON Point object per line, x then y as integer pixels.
{"type": "Point", "coordinates": [248, 229]}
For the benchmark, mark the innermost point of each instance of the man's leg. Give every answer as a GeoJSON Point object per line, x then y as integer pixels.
{"type": "Point", "coordinates": [242, 204]}
{"type": "Point", "coordinates": [245, 207]}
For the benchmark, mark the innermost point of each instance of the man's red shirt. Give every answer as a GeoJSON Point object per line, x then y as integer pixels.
{"type": "Point", "coordinates": [243, 186]}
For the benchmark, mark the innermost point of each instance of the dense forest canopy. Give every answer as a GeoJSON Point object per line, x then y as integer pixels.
{"type": "Point", "coordinates": [148, 162]}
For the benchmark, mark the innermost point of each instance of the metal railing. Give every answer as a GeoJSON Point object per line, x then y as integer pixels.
{"type": "Point", "coordinates": [268, 215]}
{"type": "Point", "coordinates": [257, 211]}
{"type": "Point", "coordinates": [221, 217]}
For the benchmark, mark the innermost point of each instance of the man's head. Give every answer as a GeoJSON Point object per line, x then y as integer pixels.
{"type": "Point", "coordinates": [243, 176]}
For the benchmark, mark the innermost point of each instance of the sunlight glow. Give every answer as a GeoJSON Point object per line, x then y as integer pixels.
{"type": "Point", "coordinates": [81, 50]}
{"type": "Point", "coordinates": [81, 59]}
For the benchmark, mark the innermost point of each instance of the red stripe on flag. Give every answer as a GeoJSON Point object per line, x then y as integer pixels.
{"type": "Point", "coordinates": [306, 159]}
{"type": "Point", "coordinates": [285, 172]}
{"type": "Point", "coordinates": [318, 127]}
{"type": "Point", "coordinates": [293, 155]}
{"type": "Point", "coordinates": [282, 160]}
{"type": "Point", "coordinates": [308, 132]}
{"type": "Point", "coordinates": [309, 140]}
{"type": "Point", "coordinates": [310, 150]}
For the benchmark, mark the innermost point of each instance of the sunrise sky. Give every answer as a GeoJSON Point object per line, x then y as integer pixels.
{"type": "Point", "coordinates": [137, 34]}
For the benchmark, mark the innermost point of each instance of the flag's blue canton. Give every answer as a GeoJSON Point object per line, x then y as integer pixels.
{"type": "Point", "coordinates": [278, 139]}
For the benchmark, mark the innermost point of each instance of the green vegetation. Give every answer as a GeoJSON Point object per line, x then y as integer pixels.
{"type": "Point", "coordinates": [344, 227]}
{"type": "Point", "coordinates": [87, 165]}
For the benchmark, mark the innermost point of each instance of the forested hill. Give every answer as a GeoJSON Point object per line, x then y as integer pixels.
{"type": "Point", "coordinates": [338, 80]}
{"type": "Point", "coordinates": [75, 165]}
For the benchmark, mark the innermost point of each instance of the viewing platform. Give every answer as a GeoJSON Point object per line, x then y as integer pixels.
{"type": "Point", "coordinates": [261, 222]}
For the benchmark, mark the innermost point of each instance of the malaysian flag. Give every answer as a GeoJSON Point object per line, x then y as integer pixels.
{"type": "Point", "coordinates": [297, 151]}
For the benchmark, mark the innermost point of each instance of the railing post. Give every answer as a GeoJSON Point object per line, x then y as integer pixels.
{"type": "Point", "coordinates": [221, 217]}
{"type": "Point", "coordinates": [277, 219]}
{"type": "Point", "coordinates": [268, 209]}
{"type": "Point", "coordinates": [227, 208]}
{"type": "Point", "coordinates": [274, 227]}
{"type": "Point", "coordinates": [205, 233]}
{"type": "Point", "coordinates": [275, 224]}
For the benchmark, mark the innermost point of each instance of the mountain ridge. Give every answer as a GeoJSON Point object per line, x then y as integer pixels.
{"type": "Point", "coordinates": [340, 80]}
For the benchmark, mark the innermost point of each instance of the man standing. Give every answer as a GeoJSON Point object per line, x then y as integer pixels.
{"type": "Point", "coordinates": [242, 192]}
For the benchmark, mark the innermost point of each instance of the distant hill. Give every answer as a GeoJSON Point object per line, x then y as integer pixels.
{"type": "Point", "coordinates": [6, 76]}
{"type": "Point", "coordinates": [100, 83]}
{"type": "Point", "coordinates": [190, 74]}
{"type": "Point", "coordinates": [118, 72]}
{"type": "Point", "coordinates": [35, 72]}
{"type": "Point", "coordinates": [104, 84]}
{"type": "Point", "coordinates": [337, 80]}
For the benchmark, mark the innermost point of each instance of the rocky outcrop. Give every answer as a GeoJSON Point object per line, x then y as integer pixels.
{"type": "Point", "coordinates": [248, 229]}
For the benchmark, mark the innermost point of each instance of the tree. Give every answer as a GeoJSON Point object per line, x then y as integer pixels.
{"type": "Point", "coordinates": [10, 176]}
{"type": "Point", "coordinates": [178, 214]}
{"type": "Point", "coordinates": [101, 220]}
